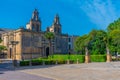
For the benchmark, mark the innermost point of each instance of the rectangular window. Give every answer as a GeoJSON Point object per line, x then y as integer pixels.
{"type": "Point", "coordinates": [69, 40]}
{"type": "Point", "coordinates": [69, 47]}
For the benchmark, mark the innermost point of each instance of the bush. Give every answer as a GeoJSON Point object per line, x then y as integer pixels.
{"type": "Point", "coordinates": [60, 57]}
{"type": "Point", "coordinates": [115, 58]}
{"type": "Point", "coordinates": [49, 61]}
{"type": "Point", "coordinates": [36, 62]}
{"type": "Point", "coordinates": [61, 61]}
{"type": "Point", "coordinates": [73, 58]}
{"type": "Point", "coordinates": [98, 58]}
{"type": "Point", "coordinates": [24, 63]}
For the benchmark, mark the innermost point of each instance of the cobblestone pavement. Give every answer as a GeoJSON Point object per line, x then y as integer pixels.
{"type": "Point", "coordinates": [91, 71]}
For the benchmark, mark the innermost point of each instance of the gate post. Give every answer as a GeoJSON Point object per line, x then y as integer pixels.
{"type": "Point", "coordinates": [108, 58]}
{"type": "Point", "coordinates": [108, 55]}
{"type": "Point", "coordinates": [87, 56]}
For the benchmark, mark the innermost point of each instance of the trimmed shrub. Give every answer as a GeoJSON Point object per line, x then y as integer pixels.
{"type": "Point", "coordinates": [72, 58]}
{"type": "Point", "coordinates": [98, 58]}
{"type": "Point", "coordinates": [36, 62]}
{"type": "Point", "coordinates": [61, 61]}
{"type": "Point", "coordinates": [49, 61]}
{"type": "Point", "coordinates": [24, 63]}
{"type": "Point", "coordinates": [60, 57]}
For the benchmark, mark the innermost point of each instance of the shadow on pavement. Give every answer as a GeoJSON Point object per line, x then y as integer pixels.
{"type": "Point", "coordinates": [9, 67]}
{"type": "Point", "coordinates": [35, 67]}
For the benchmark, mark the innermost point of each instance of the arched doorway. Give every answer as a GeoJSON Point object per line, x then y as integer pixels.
{"type": "Point", "coordinates": [47, 51]}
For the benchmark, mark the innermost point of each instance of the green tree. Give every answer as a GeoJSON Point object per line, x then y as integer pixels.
{"type": "Point", "coordinates": [114, 25]}
{"type": "Point", "coordinates": [97, 44]}
{"type": "Point", "coordinates": [114, 32]}
{"type": "Point", "coordinates": [2, 48]}
{"type": "Point", "coordinates": [94, 42]}
{"type": "Point", "coordinates": [82, 44]}
{"type": "Point", "coordinates": [50, 36]}
{"type": "Point", "coordinates": [115, 41]}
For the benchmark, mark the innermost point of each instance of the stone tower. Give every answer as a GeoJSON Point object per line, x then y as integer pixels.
{"type": "Point", "coordinates": [56, 26]}
{"type": "Point", "coordinates": [35, 23]}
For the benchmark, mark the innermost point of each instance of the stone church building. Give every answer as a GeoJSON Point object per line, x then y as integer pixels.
{"type": "Point", "coordinates": [30, 42]}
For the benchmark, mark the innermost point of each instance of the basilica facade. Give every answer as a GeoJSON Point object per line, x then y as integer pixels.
{"type": "Point", "coordinates": [30, 42]}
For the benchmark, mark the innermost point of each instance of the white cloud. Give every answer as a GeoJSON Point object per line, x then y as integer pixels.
{"type": "Point", "coordinates": [100, 12]}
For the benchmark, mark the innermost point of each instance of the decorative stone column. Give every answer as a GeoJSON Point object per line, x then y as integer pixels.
{"type": "Point", "coordinates": [87, 56]}
{"type": "Point", "coordinates": [108, 55]}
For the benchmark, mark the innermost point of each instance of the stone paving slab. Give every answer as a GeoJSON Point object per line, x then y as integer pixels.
{"type": "Point", "coordinates": [16, 75]}
{"type": "Point", "coordinates": [91, 71]}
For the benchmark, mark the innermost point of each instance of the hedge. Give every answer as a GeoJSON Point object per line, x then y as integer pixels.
{"type": "Point", "coordinates": [80, 58]}
{"type": "Point", "coordinates": [98, 58]}
{"type": "Point", "coordinates": [62, 59]}
{"type": "Point", "coordinates": [24, 63]}
{"type": "Point", "coordinates": [36, 62]}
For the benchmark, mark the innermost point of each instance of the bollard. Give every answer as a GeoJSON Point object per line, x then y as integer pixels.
{"type": "Point", "coordinates": [68, 61]}
{"type": "Point", "coordinates": [30, 63]}
{"type": "Point", "coordinates": [56, 62]}
{"type": "Point", "coordinates": [43, 62]}
{"type": "Point", "coordinates": [77, 61]}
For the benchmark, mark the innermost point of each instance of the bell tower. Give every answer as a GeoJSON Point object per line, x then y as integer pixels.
{"type": "Point", "coordinates": [56, 26]}
{"type": "Point", "coordinates": [35, 22]}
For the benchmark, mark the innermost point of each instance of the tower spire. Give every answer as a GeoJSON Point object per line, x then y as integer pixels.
{"type": "Point", "coordinates": [35, 15]}
{"type": "Point", "coordinates": [56, 26]}
{"type": "Point", "coordinates": [35, 23]}
{"type": "Point", "coordinates": [56, 19]}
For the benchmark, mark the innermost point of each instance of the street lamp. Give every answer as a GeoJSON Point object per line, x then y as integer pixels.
{"type": "Point", "coordinates": [14, 43]}
{"type": "Point", "coordinates": [53, 44]}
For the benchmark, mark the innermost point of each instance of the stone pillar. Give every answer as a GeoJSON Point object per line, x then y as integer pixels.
{"type": "Point", "coordinates": [108, 58]}
{"type": "Point", "coordinates": [108, 55]}
{"type": "Point", "coordinates": [87, 56]}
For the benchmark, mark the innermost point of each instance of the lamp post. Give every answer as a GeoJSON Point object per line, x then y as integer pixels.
{"type": "Point", "coordinates": [14, 43]}
{"type": "Point", "coordinates": [43, 44]}
{"type": "Point", "coordinates": [52, 46]}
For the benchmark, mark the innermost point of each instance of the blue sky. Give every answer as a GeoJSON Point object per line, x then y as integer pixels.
{"type": "Point", "coordinates": [77, 17]}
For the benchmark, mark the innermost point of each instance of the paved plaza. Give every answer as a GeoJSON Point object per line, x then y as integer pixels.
{"type": "Point", "coordinates": [91, 71]}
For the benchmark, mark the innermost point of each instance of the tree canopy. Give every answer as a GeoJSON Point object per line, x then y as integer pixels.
{"type": "Point", "coordinates": [2, 47]}
{"type": "Point", "coordinates": [98, 40]}
{"type": "Point", "coordinates": [49, 35]}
